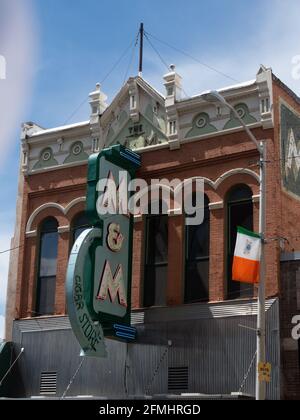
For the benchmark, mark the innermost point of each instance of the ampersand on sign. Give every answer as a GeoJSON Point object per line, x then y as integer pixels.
{"type": "Point", "coordinates": [114, 238]}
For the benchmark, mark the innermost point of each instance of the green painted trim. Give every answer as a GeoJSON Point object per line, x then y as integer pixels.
{"type": "Point", "coordinates": [234, 122]}
{"type": "Point", "coordinates": [207, 128]}
{"type": "Point", "coordinates": [92, 321]}
{"type": "Point", "coordinates": [72, 157]}
{"type": "Point", "coordinates": [112, 154]}
{"type": "Point", "coordinates": [127, 138]}
{"type": "Point", "coordinates": [247, 232]}
{"type": "Point", "coordinates": [41, 163]}
{"type": "Point", "coordinates": [79, 282]}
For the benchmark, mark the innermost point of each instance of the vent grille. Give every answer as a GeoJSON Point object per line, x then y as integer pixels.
{"type": "Point", "coordinates": [178, 378]}
{"type": "Point", "coordinates": [137, 318]}
{"type": "Point", "coordinates": [48, 383]}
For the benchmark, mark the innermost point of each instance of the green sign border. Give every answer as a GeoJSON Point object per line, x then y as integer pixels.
{"type": "Point", "coordinates": [80, 274]}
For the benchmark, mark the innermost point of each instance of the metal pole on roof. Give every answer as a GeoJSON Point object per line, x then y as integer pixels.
{"type": "Point", "coordinates": [141, 49]}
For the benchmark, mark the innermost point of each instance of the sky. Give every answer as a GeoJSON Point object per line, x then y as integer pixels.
{"type": "Point", "coordinates": [57, 50]}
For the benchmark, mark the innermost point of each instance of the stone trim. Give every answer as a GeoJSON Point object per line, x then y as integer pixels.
{"type": "Point", "coordinates": [219, 205]}
{"type": "Point", "coordinates": [63, 229]}
{"type": "Point", "coordinates": [256, 198]}
{"type": "Point", "coordinates": [57, 206]}
{"type": "Point", "coordinates": [31, 234]}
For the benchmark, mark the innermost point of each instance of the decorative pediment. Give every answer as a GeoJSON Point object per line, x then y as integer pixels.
{"type": "Point", "coordinates": [136, 118]}
{"type": "Point", "coordinates": [136, 135]}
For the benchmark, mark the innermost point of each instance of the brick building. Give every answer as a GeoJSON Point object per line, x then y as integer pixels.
{"type": "Point", "coordinates": [195, 326]}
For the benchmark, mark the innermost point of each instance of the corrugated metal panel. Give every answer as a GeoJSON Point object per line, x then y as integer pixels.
{"type": "Point", "coordinates": [205, 311]}
{"type": "Point", "coordinates": [217, 351]}
{"type": "Point", "coordinates": [50, 323]}
{"type": "Point", "coordinates": [185, 312]}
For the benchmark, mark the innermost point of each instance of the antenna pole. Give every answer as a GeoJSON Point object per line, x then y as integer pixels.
{"type": "Point", "coordinates": [141, 49]}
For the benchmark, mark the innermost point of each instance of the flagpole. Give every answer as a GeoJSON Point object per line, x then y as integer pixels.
{"type": "Point", "coordinates": [260, 386]}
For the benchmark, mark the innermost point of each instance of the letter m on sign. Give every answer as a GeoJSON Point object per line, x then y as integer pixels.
{"type": "Point", "coordinates": [112, 286]}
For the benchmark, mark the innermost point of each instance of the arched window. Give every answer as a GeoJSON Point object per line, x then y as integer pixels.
{"type": "Point", "coordinates": [79, 224]}
{"type": "Point", "coordinates": [197, 259]}
{"type": "Point", "coordinates": [239, 213]}
{"type": "Point", "coordinates": [156, 260]}
{"type": "Point", "coordinates": [45, 294]}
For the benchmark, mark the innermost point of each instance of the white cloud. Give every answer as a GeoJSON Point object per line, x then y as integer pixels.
{"type": "Point", "coordinates": [17, 47]}
{"type": "Point", "coordinates": [2, 321]}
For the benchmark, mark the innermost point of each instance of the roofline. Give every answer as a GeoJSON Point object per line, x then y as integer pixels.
{"type": "Point", "coordinates": [59, 129]}
{"type": "Point", "coordinates": [236, 87]}
{"type": "Point", "coordinates": [288, 90]}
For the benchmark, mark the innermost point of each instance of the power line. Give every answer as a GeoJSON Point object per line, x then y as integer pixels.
{"type": "Point", "coordinates": [191, 57]}
{"type": "Point", "coordinates": [75, 111]}
{"type": "Point", "coordinates": [118, 61]}
{"type": "Point", "coordinates": [156, 51]}
{"type": "Point", "coordinates": [102, 81]}
{"type": "Point", "coordinates": [10, 249]}
{"type": "Point", "coordinates": [161, 59]}
{"type": "Point", "coordinates": [131, 58]}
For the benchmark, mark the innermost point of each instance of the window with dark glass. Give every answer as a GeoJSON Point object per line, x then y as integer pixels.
{"type": "Point", "coordinates": [240, 213]}
{"type": "Point", "coordinates": [80, 224]}
{"type": "Point", "coordinates": [45, 297]}
{"type": "Point", "coordinates": [156, 260]}
{"type": "Point", "coordinates": [197, 259]}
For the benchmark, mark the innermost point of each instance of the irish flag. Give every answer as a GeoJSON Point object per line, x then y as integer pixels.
{"type": "Point", "coordinates": [246, 257]}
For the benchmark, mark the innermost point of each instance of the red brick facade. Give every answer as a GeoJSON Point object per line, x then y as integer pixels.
{"type": "Point", "coordinates": [210, 159]}
{"type": "Point", "coordinates": [226, 160]}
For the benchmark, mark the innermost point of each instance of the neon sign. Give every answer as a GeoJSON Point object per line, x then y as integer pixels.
{"type": "Point", "coordinates": [99, 271]}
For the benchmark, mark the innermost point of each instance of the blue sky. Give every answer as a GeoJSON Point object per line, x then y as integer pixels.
{"type": "Point", "coordinates": [57, 50]}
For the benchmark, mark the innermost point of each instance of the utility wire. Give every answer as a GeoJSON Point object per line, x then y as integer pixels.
{"type": "Point", "coordinates": [161, 59]}
{"type": "Point", "coordinates": [191, 57]}
{"type": "Point", "coordinates": [102, 81]}
{"type": "Point", "coordinates": [131, 58]}
{"type": "Point", "coordinates": [11, 249]}
{"type": "Point", "coordinates": [156, 51]}
{"type": "Point", "coordinates": [117, 62]}
{"type": "Point", "coordinates": [75, 111]}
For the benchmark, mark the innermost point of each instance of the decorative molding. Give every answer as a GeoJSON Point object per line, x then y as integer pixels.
{"type": "Point", "coordinates": [216, 206]}
{"type": "Point", "coordinates": [255, 198]}
{"type": "Point", "coordinates": [138, 218]}
{"type": "Point", "coordinates": [290, 256]}
{"type": "Point", "coordinates": [57, 168]}
{"type": "Point", "coordinates": [63, 229]}
{"type": "Point", "coordinates": [73, 203]}
{"type": "Point", "coordinates": [31, 234]}
{"type": "Point", "coordinates": [175, 212]}
{"type": "Point", "coordinates": [221, 133]}
{"type": "Point", "coordinates": [237, 171]}
{"type": "Point", "coordinates": [174, 144]}
{"type": "Point", "coordinates": [62, 209]}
